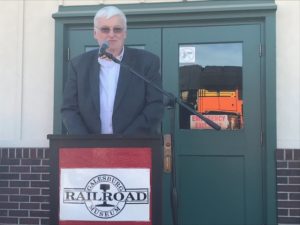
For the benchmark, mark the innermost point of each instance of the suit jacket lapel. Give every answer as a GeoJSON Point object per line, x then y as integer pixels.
{"type": "Point", "coordinates": [94, 82]}
{"type": "Point", "coordinates": [124, 79]}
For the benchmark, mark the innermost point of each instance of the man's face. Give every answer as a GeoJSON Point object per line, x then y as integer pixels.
{"type": "Point", "coordinates": [113, 31]}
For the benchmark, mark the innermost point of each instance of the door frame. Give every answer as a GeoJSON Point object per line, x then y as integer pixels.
{"type": "Point", "coordinates": [196, 13]}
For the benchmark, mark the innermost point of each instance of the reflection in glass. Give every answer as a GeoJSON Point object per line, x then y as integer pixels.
{"type": "Point", "coordinates": [210, 80]}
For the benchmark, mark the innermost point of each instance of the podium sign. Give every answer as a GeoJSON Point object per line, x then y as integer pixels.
{"type": "Point", "coordinates": [110, 182]}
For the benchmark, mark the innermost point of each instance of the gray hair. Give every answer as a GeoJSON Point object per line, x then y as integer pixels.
{"type": "Point", "coordinates": [108, 12]}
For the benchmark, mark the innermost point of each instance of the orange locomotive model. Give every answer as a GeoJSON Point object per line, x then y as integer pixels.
{"type": "Point", "coordinates": [226, 103]}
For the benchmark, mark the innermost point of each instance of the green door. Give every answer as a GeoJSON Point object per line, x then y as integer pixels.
{"type": "Point", "coordinates": [219, 173]}
{"type": "Point", "coordinates": [80, 39]}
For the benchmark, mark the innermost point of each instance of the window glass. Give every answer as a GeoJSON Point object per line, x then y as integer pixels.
{"type": "Point", "coordinates": [210, 82]}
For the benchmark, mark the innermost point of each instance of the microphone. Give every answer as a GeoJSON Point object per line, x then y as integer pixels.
{"type": "Point", "coordinates": [103, 52]}
{"type": "Point", "coordinates": [102, 49]}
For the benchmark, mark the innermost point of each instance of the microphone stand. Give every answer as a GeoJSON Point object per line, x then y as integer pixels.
{"type": "Point", "coordinates": [172, 101]}
{"type": "Point", "coordinates": [168, 94]}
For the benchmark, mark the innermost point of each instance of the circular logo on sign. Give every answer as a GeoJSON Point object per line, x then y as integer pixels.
{"type": "Point", "coordinates": [105, 196]}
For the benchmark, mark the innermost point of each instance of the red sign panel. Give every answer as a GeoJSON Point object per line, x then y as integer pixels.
{"type": "Point", "coordinates": [105, 186]}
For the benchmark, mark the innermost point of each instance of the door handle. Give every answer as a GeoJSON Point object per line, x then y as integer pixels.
{"type": "Point", "coordinates": [167, 153]}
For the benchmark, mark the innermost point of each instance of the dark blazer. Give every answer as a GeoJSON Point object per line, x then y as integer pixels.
{"type": "Point", "coordinates": [138, 108]}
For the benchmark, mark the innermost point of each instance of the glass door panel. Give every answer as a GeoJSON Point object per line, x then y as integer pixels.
{"type": "Point", "coordinates": [210, 79]}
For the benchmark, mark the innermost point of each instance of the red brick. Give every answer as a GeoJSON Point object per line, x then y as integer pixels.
{"type": "Point", "coordinates": [294, 164]}
{"type": "Point", "coordinates": [19, 198]}
{"type": "Point", "coordinates": [9, 220]}
{"type": "Point", "coordinates": [45, 206]}
{"type": "Point", "coordinates": [25, 153]}
{"type": "Point", "coordinates": [6, 161]}
{"type": "Point", "coordinates": [30, 205]}
{"type": "Point", "coordinates": [3, 198]}
{"type": "Point", "coordinates": [3, 212]}
{"type": "Point", "coordinates": [46, 162]}
{"type": "Point", "coordinates": [30, 191]}
{"type": "Point", "coordinates": [289, 220]}
{"type": "Point", "coordinates": [19, 153]}
{"type": "Point", "coordinates": [288, 188]}
{"type": "Point", "coordinates": [295, 196]}
{"type": "Point", "coordinates": [12, 153]}
{"type": "Point", "coordinates": [45, 221]}
{"type": "Point", "coordinates": [4, 153]}
{"type": "Point", "coordinates": [29, 176]}
{"type": "Point", "coordinates": [39, 213]}
{"type": "Point", "coordinates": [18, 213]}
{"type": "Point", "coordinates": [30, 162]}
{"type": "Point", "coordinates": [19, 183]}
{"type": "Point", "coordinates": [9, 176]}
{"type": "Point", "coordinates": [40, 153]}
{"type": "Point", "coordinates": [40, 169]}
{"type": "Point", "coordinates": [282, 180]}
{"type": "Point", "coordinates": [282, 212]}
{"type": "Point", "coordinates": [282, 165]}
{"type": "Point", "coordinates": [4, 169]}
{"type": "Point", "coordinates": [4, 191]}
{"type": "Point", "coordinates": [288, 172]}
{"type": "Point", "coordinates": [39, 199]}
{"type": "Point", "coordinates": [280, 154]}
{"type": "Point", "coordinates": [33, 153]}
{"type": "Point", "coordinates": [297, 154]}
{"type": "Point", "coordinates": [3, 183]}
{"type": "Point", "coordinates": [295, 212]}
{"type": "Point", "coordinates": [45, 191]}
{"type": "Point", "coordinates": [8, 205]}
{"type": "Point", "coordinates": [294, 180]}
{"type": "Point", "coordinates": [289, 154]}
{"type": "Point", "coordinates": [20, 169]}
{"type": "Point", "coordinates": [47, 153]}
{"type": "Point", "coordinates": [46, 177]}
{"type": "Point", "coordinates": [288, 204]}
{"type": "Point", "coordinates": [282, 196]}
{"type": "Point", "coordinates": [39, 183]}
{"type": "Point", "coordinates": [29, 221]}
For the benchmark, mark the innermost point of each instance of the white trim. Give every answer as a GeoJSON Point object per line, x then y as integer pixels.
{"type": "Point", "coordinates": [32, 143]}
{"type": "Point", "coordinates": [20, 67]}
{"type": "Point", "coordinates": [288, 144]}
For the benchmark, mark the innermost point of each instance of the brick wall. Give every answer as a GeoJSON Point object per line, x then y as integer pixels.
{"type": "Point", "coordinates": [288, 186]}
{"type": "Point", "coordinates": [24, 186]}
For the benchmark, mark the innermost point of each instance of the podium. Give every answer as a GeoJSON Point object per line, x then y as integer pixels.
{"type": "Point", "coordinates": [105, 180]}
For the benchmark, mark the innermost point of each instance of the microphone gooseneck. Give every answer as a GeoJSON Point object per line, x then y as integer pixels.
{"type": "Point", "coordinates": [103, 52]}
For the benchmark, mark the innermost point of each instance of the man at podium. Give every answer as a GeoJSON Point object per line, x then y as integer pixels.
{"type": "Point", "coordinates": [104, 97]}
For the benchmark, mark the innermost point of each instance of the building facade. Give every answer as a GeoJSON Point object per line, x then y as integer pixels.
{"type": "Point", "coordinates": [27, 99]}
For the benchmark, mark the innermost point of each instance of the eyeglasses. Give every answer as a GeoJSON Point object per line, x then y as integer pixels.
{"type": "Point", "coordinates": [106, 30]}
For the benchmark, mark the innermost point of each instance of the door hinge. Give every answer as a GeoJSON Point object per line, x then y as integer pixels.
{"type": "Point", "coordinates": [68, 54]}
{"type": "Point", "coordinates": [260, 50]}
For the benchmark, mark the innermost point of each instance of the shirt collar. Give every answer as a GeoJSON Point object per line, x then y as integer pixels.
{"type": "Point", "coordinates": [120, 57]}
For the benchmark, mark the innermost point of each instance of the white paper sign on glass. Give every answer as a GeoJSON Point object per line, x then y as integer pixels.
{"type": "Point", "coordinates": [187, 54]}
